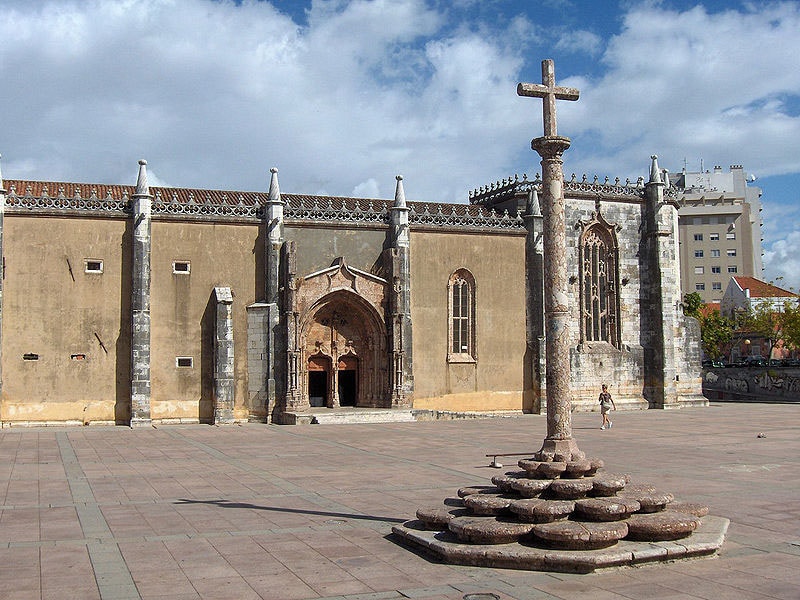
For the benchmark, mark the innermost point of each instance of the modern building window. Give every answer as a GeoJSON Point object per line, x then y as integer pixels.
{"type": "Point", "coordinates": [698, 237]}
{"type": "Point", "coordinates": [731, 235]}
{"type": "Point", "coordinates": [715, 254]}
{"type": "Point", "coordinates": [731, 252]}
{"type": "Point", "coordinates": [700, 286]}
{"type": "Point", "coordinates": [698, 254]}
{"type": "Point", "coordinates": [716, 285]}
{"type": "Point", "coordinates": [733, 269]}
{"type": "Point", "coordinates": [599, 304]}
{"type": "Point", "coordinates": [714, 237]}
{"type": "Point", "coordinates": [461, 309]}
{"type": "Point", "coordinates": [698, 270]}
{"type": "Point", "coordinates": [716, 270]}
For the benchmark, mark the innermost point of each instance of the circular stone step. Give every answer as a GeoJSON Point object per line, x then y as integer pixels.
{"type": "Point", "coordinates": [529, 466]}
{"type": "Point", "coordinates": [530, 488]}
{"type": "Point", "coordinates": [580, 535]}
{"type": "Point", "coordinates": [570, 489]}
{"type": "Point", "coordinates": [577, 468]}
{"type": "Point", "coordinates": [608, 484]}
{"type": "Point", "coordinates": [597, 464]}
{"type": "Point", "coordinates": [650, 499]}
{"type": "Point", "coordinates": [690, 508]}
{"type": "Point", "coordinates": [537, 510]}
{"type": "Point", "coordinates": [488, 530]}
{"type": "Point", "coordinates": [488, 504]}
{"type": "Point", "coordinates": [477, 489]}
{"type": "Point", "coordinates": [551, 470]}
{"type": "Point", "coordinates": [661, 526]}
{"type": "Point", "coordinates": [437, 517]}
{"type": "Point", "coordinates": [605, 509]}
{"type": "Point", "coordinates": [505, 482]}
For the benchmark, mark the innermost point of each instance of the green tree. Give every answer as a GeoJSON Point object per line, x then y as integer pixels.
{"type": "Point", "coordinates": [716, 332]}
{"type": "Point", "coordinates": [790, 325]}
{"type": "Point", "coordinates": [766, 322]}
{"type": "Point", "coordinates": [692, 303]}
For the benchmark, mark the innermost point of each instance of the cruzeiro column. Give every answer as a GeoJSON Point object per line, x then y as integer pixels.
{"type": "Point", "coordinates": [558, 445]}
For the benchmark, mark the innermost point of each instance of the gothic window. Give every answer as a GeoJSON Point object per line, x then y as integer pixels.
{"type": "Point", "coordinates": [461, 312]}
{"type": "Point", "coordinates": [599, 301]}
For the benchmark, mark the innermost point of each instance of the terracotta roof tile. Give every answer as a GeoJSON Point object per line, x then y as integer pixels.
{"type": "Point", "coordinates": [231, 197]}
{"type": "Point", "coordinates": [762, 289]}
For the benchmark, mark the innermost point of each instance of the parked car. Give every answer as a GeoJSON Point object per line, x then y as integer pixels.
{"type": "Point", "coordinates": [755, 361]}
{"type": "Point", "coordinates": [709, 364]}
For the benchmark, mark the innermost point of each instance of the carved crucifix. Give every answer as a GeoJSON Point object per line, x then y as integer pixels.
{"type": "Point", "coordinates": [549, 92]}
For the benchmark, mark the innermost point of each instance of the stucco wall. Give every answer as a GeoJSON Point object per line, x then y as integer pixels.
{"type": "Point", "coordinates": [182, 312]}
{"type": "Point", "coordinates": [495, 380]}
{"type": "Point", "coordinates": [318, 246]}
{"type": "Point", "coordinates": [54, 309]}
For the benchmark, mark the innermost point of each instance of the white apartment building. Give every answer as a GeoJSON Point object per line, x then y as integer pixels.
{"type": "Point", "coordinates": [719, 224]}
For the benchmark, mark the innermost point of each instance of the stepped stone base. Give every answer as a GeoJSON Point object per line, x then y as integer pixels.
{"type": "Point", "coordinates": [445, 546]}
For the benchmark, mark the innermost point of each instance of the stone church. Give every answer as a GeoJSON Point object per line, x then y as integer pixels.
{"type": "Point", "coordinates": [139, 305]}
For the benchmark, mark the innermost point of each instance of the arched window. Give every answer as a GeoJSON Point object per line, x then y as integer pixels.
{"type": "Point", "coordinates": [598, 278]}
{"type": "Point", "coordinates": [461, 313]}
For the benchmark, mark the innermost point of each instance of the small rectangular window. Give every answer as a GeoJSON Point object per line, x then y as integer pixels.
{"type": "Point", "coordinates": [699, 286]}
{"type": "Point", "coordinates": [92, 265]}
{"type": "Point", "coordinates": [184, 362]}
{"type": "Point", "coordinates": [79, 356]}
{"type": "Point", "coordinates": [698, 237]}
{"type": "Point", "coordinates": [730, 236]}
{"type": "Point", "coordinates": [715, 254]}
{"type": "Point", "coordinates": [716, 270]}
{"type": "Point", "coordinates": [698, 254]}
{"type": "Point", "coordinates": [731, 252]}
{"type": "Point", "coordinates": [698, 270]}
{"type": "Point", "coordinates": [182, 267]}
{"type": "Point", "coordinates": [733, 269]}
{"type": "Point", "coordinates": [714, 237]}
{"type": "Point", "coordinates": [30, 356]}
{"type": "Point", "coordinates": [716, 285]}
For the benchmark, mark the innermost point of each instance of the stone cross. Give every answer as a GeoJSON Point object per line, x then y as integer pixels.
{"type": "Point", "coordinates": [559, 444]}
{"type": "Point", "coordinates": [549, 92]}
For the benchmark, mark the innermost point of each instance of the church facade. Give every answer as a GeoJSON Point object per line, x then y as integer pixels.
{"type": "Point", "coordinates": [139, 305]}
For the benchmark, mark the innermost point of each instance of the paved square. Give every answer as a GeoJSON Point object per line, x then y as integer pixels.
{"type": "Point", "coordinates": [282, 513]}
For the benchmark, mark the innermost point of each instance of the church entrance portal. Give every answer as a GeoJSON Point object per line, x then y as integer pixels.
{"type": "Point", "coordinates": [344, 341]}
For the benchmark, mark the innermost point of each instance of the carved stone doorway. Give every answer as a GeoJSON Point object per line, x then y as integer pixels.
{"type": "Point", "coordinates": [343, 340]}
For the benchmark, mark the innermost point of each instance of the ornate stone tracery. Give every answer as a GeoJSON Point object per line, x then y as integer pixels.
{"type": "Point", "coordinates": [598, 260]}
{"type": "Point", "coordinates": [341, 346]}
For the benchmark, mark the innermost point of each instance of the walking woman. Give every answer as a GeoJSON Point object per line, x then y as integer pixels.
{"type": "Point", "coordinates": [606, 404]}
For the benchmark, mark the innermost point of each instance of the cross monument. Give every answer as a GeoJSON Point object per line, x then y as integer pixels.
{"type": "Point", "coordinates": [559, 444]}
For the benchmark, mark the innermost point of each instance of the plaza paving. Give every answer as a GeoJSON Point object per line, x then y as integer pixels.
{"type": "Point", "coordinates": [257, 511]}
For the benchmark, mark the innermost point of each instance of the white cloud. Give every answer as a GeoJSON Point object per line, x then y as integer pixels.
{"type": "Point", "coordinates": [692, 84]}
{"type": "Point", "coordinates": [213, 93]}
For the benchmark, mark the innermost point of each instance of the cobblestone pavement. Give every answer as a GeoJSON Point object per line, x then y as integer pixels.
{"type": "Point", "coordinates": [285, 513]}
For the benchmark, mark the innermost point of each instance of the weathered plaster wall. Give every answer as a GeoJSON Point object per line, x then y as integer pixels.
{"type": "Point", "coordinates": [497, 262]}
{"type": "Point", "coordinates": [318, 246]}
{"type": "Point", "coordinates": [182, 313]}
{"type": "Point", "coordinates": [53, 308]}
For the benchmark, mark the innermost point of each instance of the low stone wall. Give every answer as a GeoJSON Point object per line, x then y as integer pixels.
{"type": "Point", "coordinates": [752, 384]}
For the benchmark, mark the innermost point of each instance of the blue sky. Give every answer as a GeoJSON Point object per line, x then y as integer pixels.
{"type": "Point", "coordinates": [342, 95]}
